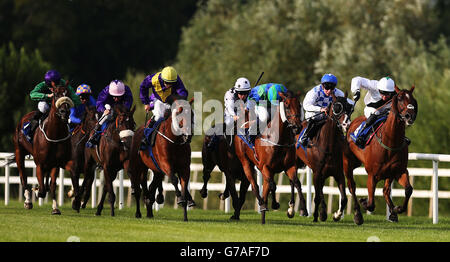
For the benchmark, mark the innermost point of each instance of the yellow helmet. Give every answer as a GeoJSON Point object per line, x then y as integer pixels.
{"type": "Point", "coordinates": [169, 74]}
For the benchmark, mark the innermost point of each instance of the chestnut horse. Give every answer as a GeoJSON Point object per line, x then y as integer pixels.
{"type": "Point", "coordinates": [111, 154]}
{"type": "Point", "coordinates": [51, 147]}
{"type": "Point", "coordinates": [80, 136]}
{"type": "Point", "coordinates": [324, 154]}
{"type": "Point", "coordinates": [272, 156]}
{"type": "Point", "coordinates": [386, 156]}
{"type": "Point", "coordinates": [170, 155]}
{"type": "Point", "coordinates": [223, 156]}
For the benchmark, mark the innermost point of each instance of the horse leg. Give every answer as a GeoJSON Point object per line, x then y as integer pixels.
{"type": "Point", "coordinates": [226, 192]}
{"type": "Point", "coordinates": [86, 186]}
{"type": "Point", "coordinates": [55, 210]}
{"type": "Point", "coordinates": [317, 195]}
{"type": "Point", "coordinates": [404, 181]}
{"type": "Point", "coordinates": [100, 204]}
{"type": "Point", "coordinates": [40, 192]}
{"type": "Point", "coordinates": [348, 172]}
{"type": "Point", "coordinates": [230, 183]}
{"type": "Point", "coordinates": [206, 177]}
{"type": "Point", "coordinates": [371, 185]}
{"type": "Point", "coordinates": [267, 178]}
{"type": "Point", "coordinates": [184, 180]}
{"type": "Point", "coordinates": [387, 196]}
{"type": "Point", "coordinates": [20, 159]}
{"type": "Point", "coordinates": [160, 196]}
{"type": "Point", "coordinates": [249, 173]}
{"type": "Point", "coordinates": [75, 177]}
{"type": "Point", "coordinates": [273, 190]}
{"type": "Point", "coordinates": [156, 181]}
{"type": "Point", "coordinates": [295, 182]}
{"type": "Point", "coordinates": [323, 206]}
{"type": "Point", "coordinates": [110, 176]}
{"type": "Point", "coordinates": [343, 203]}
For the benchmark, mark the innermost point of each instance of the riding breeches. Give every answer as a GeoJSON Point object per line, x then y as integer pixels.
{"type": "Point", "coordinates": [159, 109]}
{"type": "Point", "coordinates": [43, 107]}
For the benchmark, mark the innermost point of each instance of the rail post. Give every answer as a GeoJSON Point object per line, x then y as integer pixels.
{"type": "Point", "coordinates": [435, 192]}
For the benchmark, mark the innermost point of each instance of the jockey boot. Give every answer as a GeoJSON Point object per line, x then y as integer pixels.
{"type": "Point", "coordinates": [34, 123]}
{"type": "Point", "coordinates": [213, 141]}
{"type": "Point", "coordinates": [251, 139]}
{"type": "Point", "coordinates": [360, 141]}
{"type": "Point", "coordinates": [94, 139]}
{"type": "Point", "coordinates": [305, 137]}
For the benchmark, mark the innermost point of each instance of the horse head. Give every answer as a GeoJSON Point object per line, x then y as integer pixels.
{"type": "Point", "coordinates": [61, 102]}
{"type": "Point", "coordinates": [124, 124]}
{"type": "Point", "coordinates": [182, 116]}
{"type": "Point", "coordinates": [291, 111]}
{"type": "Point", "coordinates": [341, 111]}
{"type": "Point", "coordinates": [405, 105]}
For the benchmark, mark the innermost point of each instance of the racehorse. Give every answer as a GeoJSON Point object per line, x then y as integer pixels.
{"type": "Point", "coordinates": [51, 147]}
{"type": "Point", "coordinates": [170, 155]}
{"type": "Point", "coordinates": [270, 155]}
{"type": "Point", "coordinates": [80, 136]}
{"type": "Point", "coordinates": [386, 156]}
{"type": "Point", "coordinates": [111, 154]}
{"type": "Point", "coordinates": [223, 156]}
{"type": "Point", "coordinates": [324, 154]}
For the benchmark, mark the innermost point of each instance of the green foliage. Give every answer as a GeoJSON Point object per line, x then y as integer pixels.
{"type": "Point", "coordinates": [296, 42]}
{"type": "Point", "coordinates": [20, 71]}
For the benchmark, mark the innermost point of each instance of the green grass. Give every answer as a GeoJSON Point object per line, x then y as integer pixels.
{"type": "Point", "coordinates": [38, 225]}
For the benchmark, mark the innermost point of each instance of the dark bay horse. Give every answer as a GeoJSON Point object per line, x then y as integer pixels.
{"type": "Point", "coordinates": [170, 155]}
{"type": "Point", "coordinates": [386, 155]}
{"type": "Point", "coordinates": [272, 155]}
{"type": "Point", "coordinates": [80, 136]}
{"type": "Point", "coordinates": [324, 154]}
{"type": "Point", "coordinates": [111, 154]}
{"type": "Point", "coordinates": [51, 147]}
{"type": "Point", "coordinates": [224, 157]}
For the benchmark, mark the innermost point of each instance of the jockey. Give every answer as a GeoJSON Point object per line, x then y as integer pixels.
{"type": "Point", "coordinates": [43, 92]}
{"type": "Point", "coordinates": [84, 92]}
{"type": "Point", "coordinates": [239, 92]}
{"type": "Point", "coordinates": [316, 102]}
{"type": "Point", "coordinates": [114, 93]}
{"type": "Point", "coordinates": [377, 101]}
{"type": "Point", "coordinates": [258, 97]}
{"type": "Point", "coordinates": [163, 84]}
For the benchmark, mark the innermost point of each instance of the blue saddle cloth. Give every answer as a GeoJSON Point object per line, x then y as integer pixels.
{"type": "Point", "coordinates": [26, 130]}
{"type": "Point", "coordinates": [367, 129]}
{"type": "Point", "coordinates": [148, 131]}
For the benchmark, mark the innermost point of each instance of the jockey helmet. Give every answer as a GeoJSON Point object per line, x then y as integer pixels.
{"type": "Point", "coordinates": [386, 84]}
{"type": "Point", "coordinates": [116, 88]}
{"type": "Point", "coordinates": [52, 76]}
{"type": "Point", "coordinates": [169, 74]}
{"type": "Point", "coordinates": [329, 78]}
{"type": "Point", "coordinates": [83, 89]}
{"type": "Point", "coordinates": [242, 85]}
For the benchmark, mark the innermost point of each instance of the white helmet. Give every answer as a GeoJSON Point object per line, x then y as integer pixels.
{"type": "Point", "coordinates": [116, 88]}
{"type": "Point", "coordinates": [386, 84]}
{"type": "Point", "coordinates": [242, 84]}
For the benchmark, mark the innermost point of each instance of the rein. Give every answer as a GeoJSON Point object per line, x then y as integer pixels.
{"type": "Point", "coordinates": [41, 127]}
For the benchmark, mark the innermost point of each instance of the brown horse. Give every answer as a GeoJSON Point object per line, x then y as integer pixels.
{"type": "Point", "coordinates": [386, 156]}
{"type": "Point", "coordinates": [170, 155]}
{"type": "Point", "coordinates": [111, 154]}
{"type": "Point", "coordinates": [80, 136]}
{"type": "Point", "coordinates": [272, 156]}
{"type": "Point", "coordinates": [324, 154]}
{"type": "Point", "coordinates": [223, 156]}
{"type": "Point", "coordinates": [51, 147]}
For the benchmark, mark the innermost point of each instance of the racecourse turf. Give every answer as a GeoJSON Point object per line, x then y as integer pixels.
{"type": "Point", "coordinates": [38, 225]}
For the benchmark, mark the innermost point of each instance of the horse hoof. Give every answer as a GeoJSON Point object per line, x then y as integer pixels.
{"type": "Point", "coordinates": [358, 219]}
{"type": "Point", "coordinates": [323, 217]}
{"type": "Point", "coordinates": [203, 193]}
{"type": "Point", "coordinates": [363, 202]}
{"type": "Point", "coordinates": [263, 209]}
{"type": "Point", "coordinates": [303, 213]}
{"type": "Point", "coordinates": [336, 217]}
{"type": "Point", "coordinates": [138, 215]}
{"type": "Point", "coordinates": [275, 205]}
{"type": "Point", "coordinates": [393, 218]}
{"type": "Point", "coordinates": [290, 214]}
{"type": "Point", "coordinates": [98, 213]}
{"type": "Point", "coordinates": [56, 212]}
{"type": "Point", "coordinates": [28, 205]}
{"type": "Point", "coordinates": [315, 220]}
{"type": "Point", "coordinates": [222, 196]}
{"type": "Point", "coordinates": [234, 217]}
{"type": "Point", "coordinates": [160, 199]}
{"type": "Point", "coordinates": [191, 203]}
{"type": "Point", "coordinates": [76, 205]}
{"type": "Point", "coordinates": [83, 205]}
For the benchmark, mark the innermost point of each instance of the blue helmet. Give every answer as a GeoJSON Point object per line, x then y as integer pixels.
{"type": "Point", "coordinates": [52, 76]}
{"type": "Point", "coordinates": [329, 78]}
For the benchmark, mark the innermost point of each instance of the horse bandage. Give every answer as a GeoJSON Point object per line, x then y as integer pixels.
{"type": "Point", "coordinates": [125, 133]}
{"type": "Point", "coordinates": [64, 100]}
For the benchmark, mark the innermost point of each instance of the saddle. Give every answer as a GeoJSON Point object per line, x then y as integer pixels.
{"type": "Point", "coordinates": [367, 131]}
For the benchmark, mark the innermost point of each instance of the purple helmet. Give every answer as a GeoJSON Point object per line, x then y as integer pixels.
{"type": "Point", "coordinates": [52, 76]}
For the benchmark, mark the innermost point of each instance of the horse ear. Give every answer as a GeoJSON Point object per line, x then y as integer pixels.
{"type": "Point", "coordinates": [412, 88]}
{"type": "Point", "coordinates": [397, 89]}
